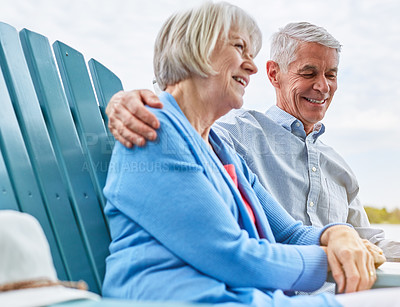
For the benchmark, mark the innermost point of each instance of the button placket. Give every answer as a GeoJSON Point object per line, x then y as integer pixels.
{"type": "Point", "coordinates": [314, 177]}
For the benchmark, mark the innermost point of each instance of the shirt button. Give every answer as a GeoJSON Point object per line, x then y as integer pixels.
{"type": "Point", "coordinates": [311, 204]}
{"type": "Point", "coordinates": [314, 169]}
{"type": "Point", "coordinates": [297, 124]}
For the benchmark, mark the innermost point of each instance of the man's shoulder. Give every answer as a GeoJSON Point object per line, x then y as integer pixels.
{"type": "Point", "coordinates": [242, 127]}
{"type": "Point", "coordinates": [245, 118]}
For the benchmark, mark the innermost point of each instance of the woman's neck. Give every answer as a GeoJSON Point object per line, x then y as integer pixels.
{"type": "Point", "coordinates": [196, 106]}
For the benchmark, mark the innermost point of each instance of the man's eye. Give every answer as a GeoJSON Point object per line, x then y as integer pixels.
{"type": "Point", "coordinates": [332, 77]}
{"type": "Point", "coordinates": [307, 75]}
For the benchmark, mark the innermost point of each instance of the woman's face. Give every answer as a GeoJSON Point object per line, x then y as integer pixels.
{"type": "Point", "coordinates": [232, 59]}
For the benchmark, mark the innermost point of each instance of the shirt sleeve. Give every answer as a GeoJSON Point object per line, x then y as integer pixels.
{"type": "Point", "coordinates": [359, 219]}
{"type": "Point", "coordinates": [164, 189]}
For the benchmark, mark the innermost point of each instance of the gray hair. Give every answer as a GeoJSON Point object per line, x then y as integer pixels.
{"type": "Point", "coordinates": [285, 42]}
{"type": "Point", "coordinates": [186, 41]}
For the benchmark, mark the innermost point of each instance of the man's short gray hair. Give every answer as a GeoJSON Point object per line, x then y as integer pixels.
{"type": "Point", "coordinates": [186, 41]}
{"type": "Point", "coordinates": [285, 42]}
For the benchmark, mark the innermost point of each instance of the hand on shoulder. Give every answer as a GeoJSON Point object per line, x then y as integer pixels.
{"type": "Point", "coordinates": [130, 121]}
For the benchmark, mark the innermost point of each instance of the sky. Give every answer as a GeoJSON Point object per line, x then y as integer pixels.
{"type": "Point", "coordinates": [363, 121]}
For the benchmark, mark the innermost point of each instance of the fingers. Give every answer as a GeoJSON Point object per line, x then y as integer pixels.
{"type": "Point", "coordinates": [151, 99]}
{"type": "Point", "coordinates": [134, 102]}
{"type": "Point", "coordinates": [337, 272]}
{"type": "Point", "coordinates": [136, 120]}
{"type": "Point", "coordinates": [372, 247]}
{"type": "Point", "coordinates": [366, 270]}
{"type": "Point", "coordinates": [359, 270]}
{"type": "Point", "coordinates": [351, 262]}
{"type": "Point", "coordinates": [124, 135]}
{"type": "Point", "coordinates": [377, 253]}
{"type": "Point", "coordinates": [129, 120]}
{"type": "Point", "coordinates": [376, 258]}
{"type": "Point", "coordinates": [353, 276]}
{"type": "Point", "coordinates": [372, 273]}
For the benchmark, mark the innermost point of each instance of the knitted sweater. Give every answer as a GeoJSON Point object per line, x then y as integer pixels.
{"type": "Point", "coordinates": [181, 232]}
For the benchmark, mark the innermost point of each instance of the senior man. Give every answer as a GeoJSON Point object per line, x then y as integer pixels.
{"type": "Point", "coordinates": [282, 146]}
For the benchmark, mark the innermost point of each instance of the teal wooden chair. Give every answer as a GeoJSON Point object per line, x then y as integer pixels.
{"type": "Point", "coordinates": [55, 148]}
{"type": "Point", "coordinates": [7, 196]}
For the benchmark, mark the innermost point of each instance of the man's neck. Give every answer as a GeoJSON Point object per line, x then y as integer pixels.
{"type": "Point", "coordinates": [308, 128]}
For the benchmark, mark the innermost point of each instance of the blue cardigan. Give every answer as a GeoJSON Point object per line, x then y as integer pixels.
{"type": "Point", "coordinates": [181, 232]}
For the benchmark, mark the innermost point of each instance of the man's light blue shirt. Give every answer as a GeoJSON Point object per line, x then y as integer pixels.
{"type": "Point", "coordinates": [310, 179]}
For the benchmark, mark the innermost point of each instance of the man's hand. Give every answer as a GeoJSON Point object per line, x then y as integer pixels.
{"type": "Point", "coordinates": [349, 259]}
{"type": "Point", "coordinates": [376, 252]}
{"type": "Point", "coordinates": [129, 121]}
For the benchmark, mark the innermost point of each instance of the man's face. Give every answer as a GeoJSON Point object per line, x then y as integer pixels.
{"type": "Point", "coordinates": [307, 88]}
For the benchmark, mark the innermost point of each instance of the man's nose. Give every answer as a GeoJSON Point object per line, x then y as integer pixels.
{"type": "Point", "coordinates": [321, 84]}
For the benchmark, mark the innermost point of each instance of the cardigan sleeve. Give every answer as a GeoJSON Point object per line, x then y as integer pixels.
{"type": "Point", "coordinates": [284, 227]}
{"type": "Point", "coordinates": [164, 189]}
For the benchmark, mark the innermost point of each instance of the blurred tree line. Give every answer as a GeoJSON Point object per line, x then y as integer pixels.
{"type": "Point", "coordinates": [377, 216]}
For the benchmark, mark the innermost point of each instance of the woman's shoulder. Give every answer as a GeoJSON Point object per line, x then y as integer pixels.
{"type": "Point", "coordinates": [170, 113]}
{"type": "Point", "coordinates": [173, 121]}
{"type": "Point", "coordinates": [171, 126]}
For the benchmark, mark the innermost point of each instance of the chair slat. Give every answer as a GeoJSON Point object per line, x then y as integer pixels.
{"type": "Point", "coordinates": [7, 196]}
{"type": "Point", "coordinates": [106, 84]}
{"type": "Point", "coordinates": [86, 112]}
{"type": "Point", "coordinates": [65, 140]}
{"type": "Point", "coordinates": [15, 153]}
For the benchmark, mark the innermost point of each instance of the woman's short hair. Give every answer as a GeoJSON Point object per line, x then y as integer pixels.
{"type": "Point", "coordinates": [285, 42]}
{"type": "Point", "coordinates": [187, 39]}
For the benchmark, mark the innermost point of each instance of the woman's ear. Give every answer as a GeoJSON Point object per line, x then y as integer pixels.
{"type": "Point", "coordinates": [273, 73]}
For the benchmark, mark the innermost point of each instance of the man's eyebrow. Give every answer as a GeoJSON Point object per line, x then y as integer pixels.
{"type": "Point", "coordinates": [312, 67]}
{"type": "Point", "coordinates": [307, 67]}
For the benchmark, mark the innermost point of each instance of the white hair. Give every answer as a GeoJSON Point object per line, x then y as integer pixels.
{"type": "Point", "coordinates": [286, 41]}
{"type": "Point", "coordinates": [186, 41]}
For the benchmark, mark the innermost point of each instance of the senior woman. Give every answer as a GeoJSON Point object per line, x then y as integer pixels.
{"type": "Point", "coordinates": [188, 219]}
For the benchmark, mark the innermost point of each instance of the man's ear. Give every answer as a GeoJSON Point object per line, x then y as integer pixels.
{"type": "Point", "coordinates": [273, 73]}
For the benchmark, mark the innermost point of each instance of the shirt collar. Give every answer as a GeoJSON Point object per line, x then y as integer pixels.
{"type": "Point", "coordinates": [292, 124]}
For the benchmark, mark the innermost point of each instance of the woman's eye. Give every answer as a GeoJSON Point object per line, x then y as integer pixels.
{"type": "Point", "coordinates": [239, 46]}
